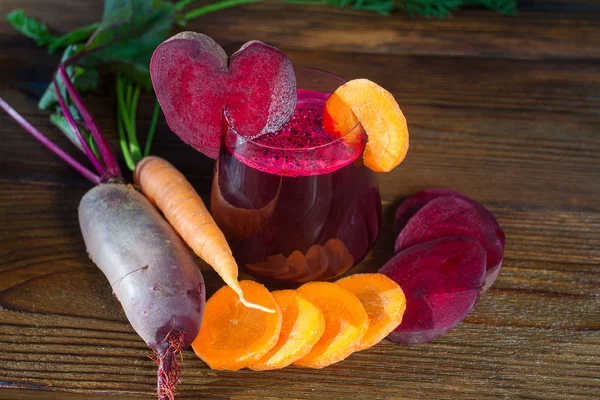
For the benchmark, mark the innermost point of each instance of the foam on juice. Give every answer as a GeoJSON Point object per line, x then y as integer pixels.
{"type": "Point", "coordinates": [301, 147]}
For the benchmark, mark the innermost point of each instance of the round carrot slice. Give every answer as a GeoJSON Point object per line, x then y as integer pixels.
{"type": "Point", "coordinates": [345, 323]}
{"type": "Point", "coordinates": [233, 336]}
{"type": "Point", "coordinates": [379, 114]}
{"type": "Point", "coordinates": [339, 257]}
{"type": "Point", "coordinates": [303, 324]}
{"type": "Point", "coordinates": [384, 301]}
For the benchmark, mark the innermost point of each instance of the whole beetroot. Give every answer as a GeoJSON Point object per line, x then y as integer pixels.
{"type": "Point", "coordinates": [146, 263]}
{"type": "Point", "coordinates": [150, 270]}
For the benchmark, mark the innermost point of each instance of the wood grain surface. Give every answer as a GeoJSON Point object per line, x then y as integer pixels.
{"type": "Point", "coordinates": [504, 109]}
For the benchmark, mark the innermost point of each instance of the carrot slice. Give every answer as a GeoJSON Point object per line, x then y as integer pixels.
{"type": "Point", "coordinates": [317, 263]}
{"type": "Point", "coordinates": [233, 336]}
{"type": "Point", "coordinates": [273, 266]}
{"type": "Point", "coordinates": [303, 325]}
{"type": "Point", "coordinates": [297, 266]}
{"type": "Point", "coordinates": [379, 114]}
{"type": "Point", "coordinates": [384, 301]}
{"type": "Point", "coordinates": [345, 322]}
{"type": "Point", "coordinates": [339, 257]}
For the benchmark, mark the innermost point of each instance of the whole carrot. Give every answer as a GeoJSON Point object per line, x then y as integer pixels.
{"type": "Point", "coordinates": [181, 205]}
{"type": "Point", "coordinates": [172, 194]}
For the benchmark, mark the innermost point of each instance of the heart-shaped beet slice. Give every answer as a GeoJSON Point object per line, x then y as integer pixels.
{"type": "Point", "coordinates": [414, 203]}
{"type": "Point", "coordinates": [441, 280]}
{"type": "Point", "coordinates": [190, 77]}
{"type": "Point", "coordinates": [195, 87]}
{"type": "Point", "coordinates": [454, 216]}
{"type": "Point", "coordinates": [262, 91]}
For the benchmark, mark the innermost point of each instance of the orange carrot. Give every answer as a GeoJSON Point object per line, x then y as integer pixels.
{"type": "Point", "coordinates": [339, 257]}
{"type": "Point", "coordinates": [317, 262]}
{"type": "Point", "coordinates": [379, 114]}
{"type": "Point", "coordinates": [233, 336]}
{"type": "Point", "coordinates": [346, 321]}
{"type": "Point", "coordinates": [384, 302]}
{"type": "Point", "coordinates": [171, 192]}
{"type": "Point", "coordinates": [303, 324]}
{"type": "Point", "coordinates": [274, 266]}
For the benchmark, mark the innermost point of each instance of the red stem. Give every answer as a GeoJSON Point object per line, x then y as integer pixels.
{"type": "Point", "coordinates": [95, 179]}
{"type": "Point", "coordinates": [112, 166]}
{"type": "Point", "coordinates": [86, 149]}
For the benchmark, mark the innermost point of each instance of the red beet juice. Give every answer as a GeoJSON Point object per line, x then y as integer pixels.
{"type": "Point", "coordinates": [298, 204]}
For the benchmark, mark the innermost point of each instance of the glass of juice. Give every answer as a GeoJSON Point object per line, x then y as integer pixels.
{"type": "Point", "coordinates": [298, 204]}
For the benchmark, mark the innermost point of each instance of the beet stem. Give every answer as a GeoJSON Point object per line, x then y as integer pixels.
{"type": "Point", "coordinates": [86, 148]}
{"type": "Point", "coordinates": [109, 159]}
{"type": "Point", "coordinates": [95, 179]}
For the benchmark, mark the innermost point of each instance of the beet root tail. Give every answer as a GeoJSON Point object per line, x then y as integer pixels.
{"type": "Point", "coordinates": [168, 367]}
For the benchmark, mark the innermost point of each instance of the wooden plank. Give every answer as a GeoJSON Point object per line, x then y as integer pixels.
{"type": "Point", "coordinates": [503, 109]}
{"type": "Point", "coordinates": [29, 394]}
{"type": "Point", "coordinates": [572, 33]}
{"type": "Point", "coordinates": [482, 354]}
{"type": "Point", "coordinates": [533, 35]}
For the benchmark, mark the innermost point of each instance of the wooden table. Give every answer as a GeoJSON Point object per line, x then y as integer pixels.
{"type": "Point", "coordinates": [506, 110]}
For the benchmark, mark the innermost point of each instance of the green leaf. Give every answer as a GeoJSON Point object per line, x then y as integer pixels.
{"type": "Point", "coordinates": [508, 7]}
{"type": "Point", "coordinates": [137, 27]}
{"type": "Point", "coordinates": [38, 31]}
{"type": "Point", "coordinates": [422, 8]}
{"type": "Point", "coordinates": [209, 8]}
{"type": "Point", "coordinates": [76, 36]}
{"type": "Point", "coordinates": [31, 27]}
{"type": "Point", "coordinates": [60, 121]}
{"type": "Point", "coordinates": [117, 13]}
{"type": "Point", "coordinates": [85, 80]}
{"type": "Point", "coordinates": [430, 8]}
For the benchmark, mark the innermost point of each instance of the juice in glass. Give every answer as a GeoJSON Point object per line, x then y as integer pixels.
{"type": "Point", "coordinates": [298, 204]}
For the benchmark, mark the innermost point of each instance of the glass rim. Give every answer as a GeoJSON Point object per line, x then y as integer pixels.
{"type": "Point", "coordinates": [320, 146]}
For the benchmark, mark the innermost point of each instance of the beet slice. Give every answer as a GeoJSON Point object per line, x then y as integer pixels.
{"type": "Point", "coordinates": [441, 280]}
{"type": "Point", "coordinates": [190, 77]}
{"type": "Point", "coordinates": [262, 92]}
{"type": "Point", "coordinates": [454, 216]}
{"type": "Point", "coordinates": [194, 87]}
{"type": "Point", "coordinates": [414, 203]}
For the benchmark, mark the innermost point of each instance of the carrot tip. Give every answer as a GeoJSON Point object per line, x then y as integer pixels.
{"type": "Point", "coordinates": [235, 285]}
{"type": "Point", "coordinates": [255, 306]}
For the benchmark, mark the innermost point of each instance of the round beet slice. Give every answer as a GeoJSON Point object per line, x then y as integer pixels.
{"type": "Point", "coordinates": [190, 77]}
{"type": "Point", "coordinates": [441, 280]}
{"type": "Point", "coordinates": [414, 203]}
{"type": "Point", "coordinates": [454, 216]}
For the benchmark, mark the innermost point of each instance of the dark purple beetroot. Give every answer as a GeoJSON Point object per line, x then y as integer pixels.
{"type": "Point", "coordinates": [190, 77]}
{"type": "Point", "coordinates": [195, 86]}
{"type": "Point", "coordinates": [262, 92]}
{"type": "Point", "coordinates": [410, 206]}
{"type": "Point", "coordinates": [441, 280]}
{"type": "Point", "coordinates": [454, 216]}
{"type": "Point", "coordinates": [150, 270]}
